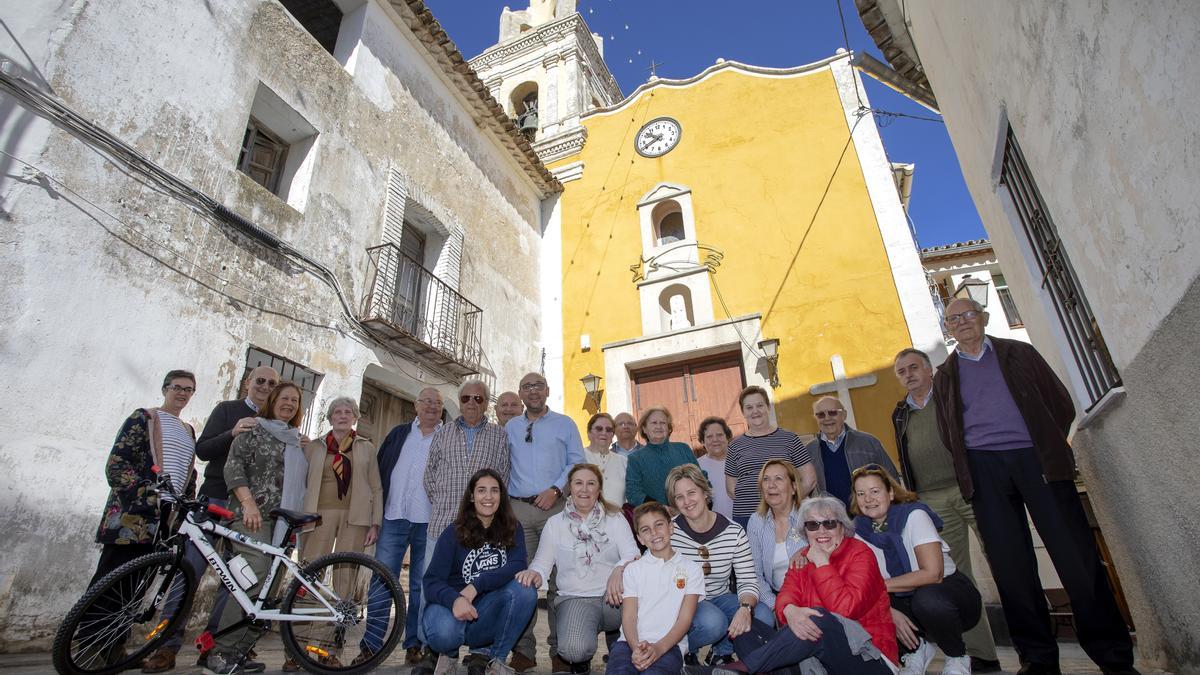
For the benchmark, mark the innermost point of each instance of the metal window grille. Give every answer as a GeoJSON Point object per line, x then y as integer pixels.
{"type": "Point", "coordinates": [308, 380]}
{"type": "Point", "coordinates": [263, 155]}
{"type": "Point", "coordinates": [1059, 280]}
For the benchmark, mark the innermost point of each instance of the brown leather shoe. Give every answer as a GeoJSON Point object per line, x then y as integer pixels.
{"type": "Point", "coordinates": [558, 665]}
{"type": "Point", "coordinates": [522, 663]}
{"type": "Point", "coordinates": [290, 666]}
{"type": "Point", "coordinates": [160, 661]}
{"type": "Point", "coordinates": [413, 656]}
{"type": "Point", "coordinates": [363, 656]}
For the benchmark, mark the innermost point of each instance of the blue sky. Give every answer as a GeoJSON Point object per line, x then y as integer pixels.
{"type": "Point", "coordinates": [687, 36]}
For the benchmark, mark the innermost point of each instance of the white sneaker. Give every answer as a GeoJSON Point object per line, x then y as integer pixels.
{"type": "Point", "coordinates": [957, 665]}
{"type": "Point", "coordinates": [916, 662]}
{"type": "Point", "coordinates": [499, 667]}
{"type": "Point", "coordinates": [446, 665]}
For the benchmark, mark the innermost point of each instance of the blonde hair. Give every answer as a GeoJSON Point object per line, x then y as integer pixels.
{"type": "Point", "coordinates": [608, 506]}
{"type": "Point", "coordinates": [900, 494]}
{"type": "Point", "coordinates": [793, 476]}
{"type": "Point", "coordinates": [691, 472]}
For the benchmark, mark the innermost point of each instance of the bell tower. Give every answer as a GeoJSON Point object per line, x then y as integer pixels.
{"type": "Point", "coordinates": [548, 69]}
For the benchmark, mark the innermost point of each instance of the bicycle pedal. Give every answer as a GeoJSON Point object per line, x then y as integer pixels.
{"type": "Point", "coordinates": [205, 642]}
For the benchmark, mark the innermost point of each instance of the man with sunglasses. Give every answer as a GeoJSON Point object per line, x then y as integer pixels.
{"type": "Point", "coordinates": [928, 469]}
{"type": "Point", "coordinates": [1005, 415]}
{"type": "Point", "coordinates": [838, 449]}
{"type": "Point", "coordinates": [544, 445]}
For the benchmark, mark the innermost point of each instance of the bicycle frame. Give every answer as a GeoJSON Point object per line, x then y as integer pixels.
{"type": "Point", "coordinates": [253, 608]}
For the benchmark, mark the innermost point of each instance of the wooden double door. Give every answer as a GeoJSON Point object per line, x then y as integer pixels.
{"type": "Point", "coordinates": [691, 391]}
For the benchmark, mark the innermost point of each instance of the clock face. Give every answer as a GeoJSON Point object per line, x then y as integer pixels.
{"type": "Point", "coordinates": [657, 137]}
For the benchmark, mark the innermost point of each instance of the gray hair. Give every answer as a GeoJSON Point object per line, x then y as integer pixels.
{"type": "Point", "coordinates": [342, 402]}
{"type": "Point", "coordinates": [481, 383]}
{"type": "Point", "coordinates": [831, 504]}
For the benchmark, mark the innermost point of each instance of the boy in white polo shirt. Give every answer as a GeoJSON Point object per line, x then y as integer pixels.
{"type": "Point", "coordinates": [661, 592]}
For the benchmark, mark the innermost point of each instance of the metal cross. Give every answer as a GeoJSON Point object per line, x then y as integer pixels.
{"type": "Point", "coordinates": [653, 68]}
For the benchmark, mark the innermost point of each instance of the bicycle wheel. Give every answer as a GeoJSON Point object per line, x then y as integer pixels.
{"type": "Point", "coordinates": [370, 600]}
{"type": "Point", "coordinates": [120, 620]}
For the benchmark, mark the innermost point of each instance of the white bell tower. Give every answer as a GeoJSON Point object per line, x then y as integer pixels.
{"type": "Point", "coordinates": [548, 69]}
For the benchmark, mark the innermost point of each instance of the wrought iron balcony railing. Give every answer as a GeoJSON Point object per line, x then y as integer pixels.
{"type": "Point", "coordinates": [410, 309]}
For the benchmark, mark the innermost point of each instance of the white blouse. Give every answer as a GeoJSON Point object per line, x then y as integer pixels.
{"type": "Point", "coordinates": [612, 466]}
{"type": "Point", "coordinates": [557, 550]}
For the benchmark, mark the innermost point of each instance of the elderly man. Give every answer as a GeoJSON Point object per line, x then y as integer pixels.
{"type": "Point", "coordinates": [227, 421]}
{"type": "Point", "coordinates": [508, 406]}
{"type": "Point", "coordinates": [402, 459]}
{"type": "Point", "coordinates": [1005, 416]}
{"type": "Point", "coordinates": [459, 449]}
{"type": "Point", "coordinates": [929, 470]}
{"type": "Point", "coordinates": [837, 450]}
{"type": "Point", "coordinates": [544, 445]}
{"type": "Point", "coordinates": [625, 439]}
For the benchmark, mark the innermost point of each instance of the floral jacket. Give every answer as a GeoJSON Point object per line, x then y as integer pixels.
{"type": "Point", "coordinates": [131, 514]}
{"type": "Point", "coordinates": [256, 461]}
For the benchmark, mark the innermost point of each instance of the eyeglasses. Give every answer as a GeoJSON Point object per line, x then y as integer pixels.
{"type": "Point", "coordinates": [175, 387]}
{"type": "Point", "coordinates": [602, 430]}
{"type": "Point", "coordinates": [822, 414]}
{"type": "Point", "coordinates": [529, 433]}
{"type": "Point", "coordinates": [533, 386]}
{"type": "Point", "coordinates": [260, 381]}
{"type": "Point", "coordinates": [814, 525]}
{"type": "Point", "coordinates": [429, 401]}
{"type": "Point", "coordinates": [703, 551]}
{"type": "Point", "coordinates": [865, 468]}
{"type": "Point", "coordinates": [955, 319]}
{"type": "Point", "coordinates": [465, 398]}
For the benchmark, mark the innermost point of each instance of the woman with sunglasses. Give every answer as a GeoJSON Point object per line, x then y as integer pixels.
{"type": "Point", "coordinates": [833, 609]}
{"type": "Point", "coordinates": [930, 598]}
{"type": "Point", "coordinates": [588, 543]}
{"type": "Point", "coordinates": [774, 532]}
{"type": "Point", "coordinates": [472, 596]}
{"type": "Point", "coordinates": [600, 429]}
{"type": "Point", "coordinates": [721, 549]}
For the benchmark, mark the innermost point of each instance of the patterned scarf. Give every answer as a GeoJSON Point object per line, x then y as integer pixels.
{"type": "Point", "coordinates": [341, 461]}
{"type": "Point", "coordinates": [590, 535]}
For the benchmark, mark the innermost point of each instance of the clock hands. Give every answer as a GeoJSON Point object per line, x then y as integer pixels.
{"type": "Point", "coordinates": [655, 138]}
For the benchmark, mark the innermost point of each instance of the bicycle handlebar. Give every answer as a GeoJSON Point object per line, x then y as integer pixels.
{"type": "Point", "coordinates": [164, 483]}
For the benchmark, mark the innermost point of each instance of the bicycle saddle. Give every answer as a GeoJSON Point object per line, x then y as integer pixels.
{"type": "Point", "coordinates": [295, 518]}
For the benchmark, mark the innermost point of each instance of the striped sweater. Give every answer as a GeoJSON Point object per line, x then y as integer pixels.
{"type": "Point", "coordinates": [728, 552]}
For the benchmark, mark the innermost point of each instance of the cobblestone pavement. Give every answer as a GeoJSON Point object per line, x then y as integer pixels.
{"type": "Point", "coordinates": [270, 652]}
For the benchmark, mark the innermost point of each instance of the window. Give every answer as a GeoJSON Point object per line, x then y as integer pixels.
{"type": "Point", "coordinates": [1007, 302]}
{"type": "Point", "coordinates": [278, 148]}
{"type": "Point", "coordinates": [668, 223]}
{"type": "Point", "coordinates": [263, 155]}
{"type": "Point", "coordinates": [321, 18]}
{"type": "Point", "coordinates": [308, 380]}
{"type": "Point", "coordinates": [1061, 284]}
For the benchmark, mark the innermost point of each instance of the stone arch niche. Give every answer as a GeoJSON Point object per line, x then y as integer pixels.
{"type": "Point", "coordinates": [523, 104]}
{"type": "Point", "coordinates": [667, 217]}
{"type": "Point", "coordinates": [675, 308]}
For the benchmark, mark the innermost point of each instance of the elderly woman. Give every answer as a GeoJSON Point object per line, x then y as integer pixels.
{"type": "Point", "coordinates": [721, 549]}
{"type": "Point", "coordinates": [266, 470]}
{"type": "Point", "coordinates": [749, 452]}
{"type": "Point", "coordinates": [646, 474]}
{"type": "Point", "coordinates": [715, 435]}
{"type": "Point", "coordinates": [600, 429]}
{"type": "Point", "coordinates": [775, 532]}
{"type": "Point", "coordinates": [930, 598]}
{"type": "Point", "coordinates": [588, 542]}
{"type": "Point", "coordinates": [343, 486]}
{"type": "Point", "coordinates": [834, 609]}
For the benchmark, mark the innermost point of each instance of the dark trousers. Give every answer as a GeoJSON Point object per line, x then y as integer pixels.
{"type": "Point", "coordinates": [620, 661]}
{"type": "Point", "coordinates": [113, 556]}
{"type": "Point", "coordinates": [765, 650]}
{"type": "Point", "coordinates": [1006, 484]}
{"type": "Point", "coordinates": [943, 612]}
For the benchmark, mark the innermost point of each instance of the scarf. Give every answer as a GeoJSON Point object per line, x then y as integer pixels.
{"type": "Point", "coordinates": [590, 535]}
{"type": "Point", "coordinates": [295, 471]}
{"type": "Point", "coordinates": [341, 461]}
{"type": "Point", "coordinates": [887, 537]}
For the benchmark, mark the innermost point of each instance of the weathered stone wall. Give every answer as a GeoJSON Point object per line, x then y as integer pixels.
{"type": "Point", "coordinates": [109, 283]}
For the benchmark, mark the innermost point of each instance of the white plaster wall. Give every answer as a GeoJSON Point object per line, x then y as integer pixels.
{"type": "Point", "coordinates": [99, 299]}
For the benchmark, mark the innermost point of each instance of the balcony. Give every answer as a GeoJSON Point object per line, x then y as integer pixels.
{"type": "Point", "coordinates": [416, 314]}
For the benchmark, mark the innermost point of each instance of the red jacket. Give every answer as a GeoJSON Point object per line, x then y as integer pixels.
{"type": "Point", "coordinates": [850, 585]}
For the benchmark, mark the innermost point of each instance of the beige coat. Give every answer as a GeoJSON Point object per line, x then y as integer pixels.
{"type": "Point", "coordinates": [366, 492]}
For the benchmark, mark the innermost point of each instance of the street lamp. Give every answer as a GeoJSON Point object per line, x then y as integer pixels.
{"type": "Point", "coordinates": [973, 289]}
{"type": "Point", "coordinates": [770, 349]}
{"type": "Point", "coordinates": [591, 385]}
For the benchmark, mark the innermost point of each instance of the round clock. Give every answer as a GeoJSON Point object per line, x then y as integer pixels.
{"type": "Point", "coordinates": [657, 137]}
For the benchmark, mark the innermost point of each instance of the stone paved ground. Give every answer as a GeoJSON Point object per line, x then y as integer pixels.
{"type": "Point", "coordinates": [1073, 660]}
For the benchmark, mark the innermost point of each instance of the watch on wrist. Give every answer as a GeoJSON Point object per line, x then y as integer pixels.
{"type": "Point", "coordinates": [556, 490]}
{"type": "Point", "coordinates": [746, 605]}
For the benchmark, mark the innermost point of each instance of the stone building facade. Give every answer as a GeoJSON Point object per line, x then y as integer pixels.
{"type": "Point", "coordinates": [323, 185]}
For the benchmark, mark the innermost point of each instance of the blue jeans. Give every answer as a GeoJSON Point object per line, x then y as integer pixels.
{"type": "Point", "coordinates": [764, 649]}
{"type": "Point", "coordinates": [395, 537]}
{"type": "Point", "coordinates": [503, 615]}
{"type": "Point", "coordinates": [620, 662]}
{"type": "Point", "coordinates": [764, 614]}
{"type": "Point", "coordinates": [710, 626]}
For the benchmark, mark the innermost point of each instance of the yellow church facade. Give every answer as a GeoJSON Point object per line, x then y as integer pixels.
{"type": "Point", "coordinates": [708, 222]}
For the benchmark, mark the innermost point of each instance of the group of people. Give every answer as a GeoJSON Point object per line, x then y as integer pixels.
{"type": "Point", "coordinates": [763, 549]}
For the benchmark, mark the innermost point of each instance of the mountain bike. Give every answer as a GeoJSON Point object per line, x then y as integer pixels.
{"type": "Point", "coordinates": [120, 619]}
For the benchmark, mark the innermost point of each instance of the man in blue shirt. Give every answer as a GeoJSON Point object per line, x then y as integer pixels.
{"type": "Point", "coordinates": [544, 445]}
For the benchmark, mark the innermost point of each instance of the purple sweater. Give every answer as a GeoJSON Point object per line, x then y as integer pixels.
{"type": "Point", "coordinates": [991, 420]}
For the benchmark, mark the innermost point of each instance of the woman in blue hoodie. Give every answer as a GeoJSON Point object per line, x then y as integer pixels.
{"type": "Point", "coordinates": [470, 585]}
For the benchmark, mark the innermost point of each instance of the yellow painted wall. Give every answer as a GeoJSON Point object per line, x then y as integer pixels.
{"type": "Point", "coordinates": [758, 154]}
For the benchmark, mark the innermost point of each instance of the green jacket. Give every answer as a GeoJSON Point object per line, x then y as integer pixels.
{"type": "Point", "coordinates": [256, 461]}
